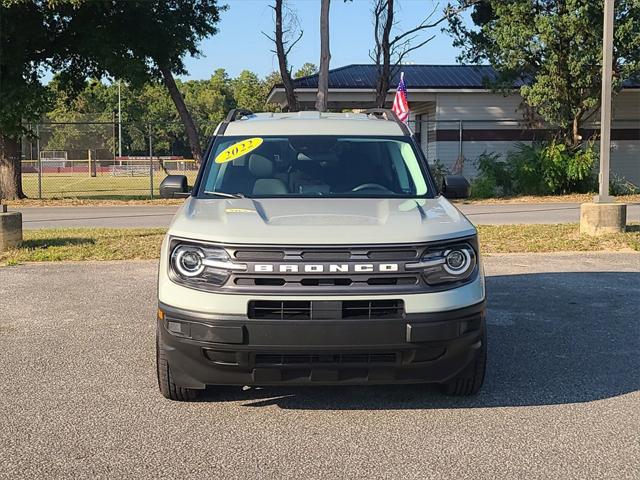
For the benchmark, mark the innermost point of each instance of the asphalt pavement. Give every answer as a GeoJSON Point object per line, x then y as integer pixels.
{"type": "Point", "coordinates": [160, 216]}
{"type": "Point", "coordinates": [78, 397]}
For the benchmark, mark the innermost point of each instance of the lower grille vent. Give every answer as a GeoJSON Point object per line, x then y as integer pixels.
{"type": "Point", "coordinates": [368, 309]}
{"type": "Point", "coordinates": [325, 310]}
{"type": "Point", "coordinates": [277, 310]}
{"type": "Point", "coordinates": [263, 359]}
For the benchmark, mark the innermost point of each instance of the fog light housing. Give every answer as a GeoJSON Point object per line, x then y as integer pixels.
{"type": "Point", "coordinates": [180, 329]}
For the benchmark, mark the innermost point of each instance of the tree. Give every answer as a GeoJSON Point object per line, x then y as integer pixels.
{"type": "Point", "coordinates": [556, 48]}
{"type": "Point", "coordinates": [248, 91]}
{"type": "Point", "coordinates": [135, 40]}
{"type": "Point", "coordinates": [388, 53]}
{"type": "Point", "coordinates": [208, 102]}
{"type": "Point", "coordinates": [22, 96]}
{"type": "Point", "coordinates": [285, 36]}
{"type": "Point", "coordinates": [325, 57]}
{"type": "Point", "coordinates": [305, 70]}
{"type": "Point", "coordinates": [140, 40]}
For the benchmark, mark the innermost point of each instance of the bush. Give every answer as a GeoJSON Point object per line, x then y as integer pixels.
{"type": "Point", "coordinates": [439, 171]}
{"type": "Point", "coordinates": [494, 179]}
{"type": "Point", "coordinates": [619, 185]}
{"type": "Point", "coordinates": [483, 187]}
{"type": "Point", "coordinates": [536, 169]}
{"type": "Point", "coordinates": [568, 170]}
{"type": "Point", "coordinates": [526, 168]}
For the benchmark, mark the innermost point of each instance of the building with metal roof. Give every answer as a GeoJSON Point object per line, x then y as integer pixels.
{"type": "Point", "coordinates": [457, 114]}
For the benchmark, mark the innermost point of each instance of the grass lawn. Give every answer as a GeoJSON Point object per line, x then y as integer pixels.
{"type": "Point", "coordinates": [102, 186]}
{"type": "Point", "coordinates": [569, 198]}
{"type": "Point", "coordinates": [73, 244]}
{"type": "Point", "coordinates": [52, 245]}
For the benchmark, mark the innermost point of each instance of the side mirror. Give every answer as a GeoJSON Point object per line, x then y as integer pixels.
{"type": "Point", "coordinates": [456, 186]}
{"type": "Point", "coordinates": [174, 186]}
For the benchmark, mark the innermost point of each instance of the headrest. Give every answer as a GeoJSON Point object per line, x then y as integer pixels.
{"type": "Point", "coordinates": [260, 166]}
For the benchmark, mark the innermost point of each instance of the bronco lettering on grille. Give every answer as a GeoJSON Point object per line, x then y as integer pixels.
{"type": "Point", "coordinates": [325, 268]}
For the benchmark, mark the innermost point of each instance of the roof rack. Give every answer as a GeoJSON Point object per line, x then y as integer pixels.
{"type": "Point", "coordinates": [236, 113]}
{"type": "Point", "coordinates": [233, 115]}
{"type": "Point", "coordinates": [390, 115]}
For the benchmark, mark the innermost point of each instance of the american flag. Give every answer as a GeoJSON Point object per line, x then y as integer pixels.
{"type": "Point", "coordinates": [400, 104]}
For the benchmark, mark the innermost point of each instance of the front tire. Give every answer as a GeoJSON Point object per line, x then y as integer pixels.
{"type": "Point", "coordinates": [469, 381]}
{"type": "Point", "coordinates": [167, 386]}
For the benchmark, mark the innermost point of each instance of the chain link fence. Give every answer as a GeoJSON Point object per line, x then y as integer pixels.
{"type": "Point", "coordinates": [101, 159]}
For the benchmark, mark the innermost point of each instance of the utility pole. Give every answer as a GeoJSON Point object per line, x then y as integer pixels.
{"type": "Point", "coordinates": [119, 120]}
{"type": "Point", "coordinates": [604, 215]}
{"type": "Point", "coordinates": [605, 108]}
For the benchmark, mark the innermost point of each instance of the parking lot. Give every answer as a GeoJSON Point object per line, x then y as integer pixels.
{"type": "Point", "coordinates": [79, 395]}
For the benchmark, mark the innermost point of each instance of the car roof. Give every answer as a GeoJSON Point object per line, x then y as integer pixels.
{"type": "Point", "coordinates": [311, 123]}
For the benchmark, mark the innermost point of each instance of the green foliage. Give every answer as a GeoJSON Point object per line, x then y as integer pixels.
{"type": "Point", "coordinates": [568, 170]}
{"type": "Point", "coordinates": [536, 169]}
{"type": "Point", "coordinates": [556, 47]}
{"type": "Point", "coordinates": [484, 187]}
{"type": "Point", "coordinates": [526, 170]}
{"type": "Point", "coordinates": [249, 91]}
{"type": "Point", "coordinates": [493, 180]}
{"type": "Point", "coordinates": [22, 96]}
{"type": "Point", "coordinates": [82, 38]}
{"type": "Point", "coordinates": [439, 171]}
{"type": "Point", "coordinates": [207, 100]}
{"type": "Point", "coordinates": [621, 186]}
{"type": "Point", "coordinates": [306, 70]}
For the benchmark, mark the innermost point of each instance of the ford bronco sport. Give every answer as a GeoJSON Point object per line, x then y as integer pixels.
{"type": "Point", "coordinates": [315, 248]}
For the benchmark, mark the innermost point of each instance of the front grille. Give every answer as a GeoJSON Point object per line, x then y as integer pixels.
{"type": "Point", "coordinates": [285, 270]}
{"type": "Point", "coordinates": [320, 254]}
{"type": "Point", "coordinates": [348, 281]}
{"type": "Point", "coordinates": [321, 281]}
{"type": "Point", "coordinates": [325, 359]}
{"type": "Point", "coordinates": [325, 310]}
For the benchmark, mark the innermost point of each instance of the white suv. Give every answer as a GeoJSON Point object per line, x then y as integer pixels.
{"type": "Point", "coordinates": [315, 248]}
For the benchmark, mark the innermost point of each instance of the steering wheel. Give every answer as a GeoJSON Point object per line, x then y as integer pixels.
{"type": "Point", "coordinates": [370, 186]}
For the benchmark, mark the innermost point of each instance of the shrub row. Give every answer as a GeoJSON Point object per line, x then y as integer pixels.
{"type": "Point", "coordinates": [541, 169]}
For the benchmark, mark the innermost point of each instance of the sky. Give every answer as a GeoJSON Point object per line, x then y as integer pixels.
{"type": "Point", "coordinates": [240, 44]}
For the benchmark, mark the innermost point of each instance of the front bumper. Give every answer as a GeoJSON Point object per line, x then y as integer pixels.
{"type": "Point", "coordinates": [208, 349]}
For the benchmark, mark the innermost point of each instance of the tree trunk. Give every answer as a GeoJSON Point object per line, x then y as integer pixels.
{"type": "Point", "coordinates": [285, 74]}
{"type": "Point", "coordinates": [384, 70]}
{"type": "Point", "coordinates": [10, 169]}
{"type": "Point", "coordinates": [575, 129]}
{"type": "Point", "coordinates": [325, 57]}
{"type": "Point", "coordinates": [382, 87]}
{"type": "Point", "coordinates": [185, 116]}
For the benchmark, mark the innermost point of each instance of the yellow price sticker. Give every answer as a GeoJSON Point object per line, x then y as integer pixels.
{"type": "Point", "coordinates": [239, 149]}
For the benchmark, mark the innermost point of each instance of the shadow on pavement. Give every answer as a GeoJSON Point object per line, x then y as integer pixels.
{"type": "Point", "coordinates": [554, 338]}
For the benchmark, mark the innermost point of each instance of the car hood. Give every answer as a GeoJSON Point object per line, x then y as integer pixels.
{"type": "Point", "coordinates": [319, 221]}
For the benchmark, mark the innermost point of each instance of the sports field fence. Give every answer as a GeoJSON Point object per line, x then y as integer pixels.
{"type": "Point", "coordinates": [101, 159]}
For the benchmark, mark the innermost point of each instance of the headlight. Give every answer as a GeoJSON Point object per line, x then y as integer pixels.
{"type": "Point", "coordinates": [450, 263]}
{"type": "Point", "coordinates": [187, 261]}
{"type": "Point", "coordinates": [201, 265]}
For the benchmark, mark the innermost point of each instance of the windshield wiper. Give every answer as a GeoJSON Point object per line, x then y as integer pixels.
{"type": "Point", "coordinates": [225, 195]}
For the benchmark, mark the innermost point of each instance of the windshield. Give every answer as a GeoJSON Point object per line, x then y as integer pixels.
{"type": "Point", "coordinates": [314, 166]}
